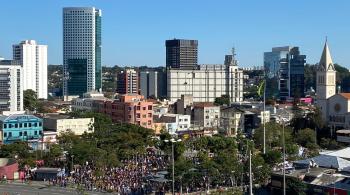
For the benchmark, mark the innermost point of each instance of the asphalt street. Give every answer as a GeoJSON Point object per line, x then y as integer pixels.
{"type": "Point", "coordinates": [24, 189]}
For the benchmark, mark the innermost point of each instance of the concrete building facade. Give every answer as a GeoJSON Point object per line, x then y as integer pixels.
{"type": "Point", "coordinates": [128, 82]}
{"type": "Point", "coordinates": [206, 115]}
{"type": "Point", "coordinates": [64, 123]}
{"type": "Point", "coordinates": [206, 83]}
{"type": "Point", "coordinates": [11, 86]}
{"type": "Point", "coordinates": [33, 58]}
{"type": "Point", "coordinates": [153, 84]}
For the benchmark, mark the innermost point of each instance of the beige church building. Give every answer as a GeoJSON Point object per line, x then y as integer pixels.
{"type": "Point", "coordinates": [335, 107]}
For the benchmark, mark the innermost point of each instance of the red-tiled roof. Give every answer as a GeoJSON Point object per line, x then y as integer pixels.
{"type": "Point", "coordinates": [346, 95]}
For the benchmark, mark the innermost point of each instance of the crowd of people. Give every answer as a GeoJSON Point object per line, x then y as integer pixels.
{"type": "Point", "coordinates": [129, 178]}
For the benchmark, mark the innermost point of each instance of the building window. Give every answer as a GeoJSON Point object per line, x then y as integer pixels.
{"type": "Point", "coordinates": [25, 124]}
{"type": "Point", "coordinates": [20, 134]}
{"type": "Point", "coordinates": [35, 124]}
{"type": "Point", "coordinates": [35, 132]}
{"type": "Point", "coordinates": [143, 116]}
{"type": "Point", "coordinates": [143, 108]}
{"type": "Point", "coordinates": [29, 124]}
{"type": "Point", "coordinates": [25, 133]}
{"type": "Point", "coordinates": [149, 122]}
{"type": "Point", "coordinates": [130, 108]}
{"type": "Point", "coordinates": [149, 114]}
{"type": "Point", "coordinates": [138, 115]}
{"type": "Point", "coordinates": [16, 125]}
{"type": "Point", "coordinates": [20, 125]}
{"type": "Point", "coordinates": [5, 126]}
{"type": "Point", "coordinates": [138, 108]}
{"type": "Point", "coordinates": [149, 107]}
{"type": "Point", "coordinates": [40, 132]}
{"type": "Point", "coordinates": [10, 134]}
{"type": "Point", "coordinates": [5, 134]}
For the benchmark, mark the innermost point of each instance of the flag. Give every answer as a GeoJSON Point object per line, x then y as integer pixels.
{"type": "Point", "coordinates": [261, 88]}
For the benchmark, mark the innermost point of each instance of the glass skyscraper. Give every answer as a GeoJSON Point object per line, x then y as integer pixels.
{"type": "Point", "coordinates": [81, 50]}
{"type": "Point", "coordinates": [284, 72]}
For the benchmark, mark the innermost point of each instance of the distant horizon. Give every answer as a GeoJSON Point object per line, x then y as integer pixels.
{"type": "Point", "coordinates": [134, 34]}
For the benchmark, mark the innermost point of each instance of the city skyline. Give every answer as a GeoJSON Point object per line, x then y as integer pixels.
{"type": "Point", "coordinates": [137, 28]}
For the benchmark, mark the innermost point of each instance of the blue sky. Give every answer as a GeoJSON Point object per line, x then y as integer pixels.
{"type": "Point", "coordinates": [134, 31]}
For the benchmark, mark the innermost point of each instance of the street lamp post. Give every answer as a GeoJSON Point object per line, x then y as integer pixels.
{"type": "Point", "coordinates": [72, 163]}
{"type": "Point", "coordinates": [172, 140]}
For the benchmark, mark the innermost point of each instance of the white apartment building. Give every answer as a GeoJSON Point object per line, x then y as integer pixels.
{"type": "Point", "coordinates": [206, 115]}
{"type": "Point", "coordinates": [81, 50]}
{"type": "Point", "coordinates": [11, 86]}
{"type": "Point", "coordinates": [33, 58]}
{"type": "Point", "coordinates": [207, 82]}
{"type": "Point", "coordinates": [174, 123]}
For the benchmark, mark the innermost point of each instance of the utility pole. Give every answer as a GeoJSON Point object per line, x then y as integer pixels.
{"type": "Point", "coordinates": [264, 150]}
{"type": "Point", "coordinates": [284, 160]}
{"type": "Point", "coordinates": [250, 174]}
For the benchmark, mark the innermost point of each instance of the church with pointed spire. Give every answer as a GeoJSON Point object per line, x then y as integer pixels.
{"type": "Point", "coordinates": [325, 80]}
{"type": "Point", "coordinates": [335, 106]}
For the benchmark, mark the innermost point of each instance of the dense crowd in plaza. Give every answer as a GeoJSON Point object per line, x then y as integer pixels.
{"type": "Point", "coordinates": [129, 178]}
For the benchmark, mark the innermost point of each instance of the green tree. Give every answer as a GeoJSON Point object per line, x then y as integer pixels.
{"type": "Point", "coordinates": [296, 186]}
{"type": "Point", "coordinates": [307, 138]}
{"type": "Point", "coordinates": [224, 99]}
{"type": "Point", "coordinates": [30, 100]}
{"type": "Point", "coordinates": [273, 156]}
{"type": "Point", "coordinates": [273, 135]}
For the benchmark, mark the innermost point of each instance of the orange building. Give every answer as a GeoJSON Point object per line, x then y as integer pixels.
{"type": "Point", "coordinates": [129, 108]}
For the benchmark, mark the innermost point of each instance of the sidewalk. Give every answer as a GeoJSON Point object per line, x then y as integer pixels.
{"type": "Point", "coordinates": [29, 183]}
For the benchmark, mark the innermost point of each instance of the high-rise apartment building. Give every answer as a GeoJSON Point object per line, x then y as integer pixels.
{"type": "Point", "coordinates": [153, 83]}
{"type": "Point", "coordinates": [11, 85]}
{"type": "Point", "coordinates": [284, 71]}
{"type": "Point", "coordinates": [128, 82]}
{"type": "Point", "coordinates": [207, 82]}
{"type": "Point", "coordinates": [81, 50]}
{"type": "Point", "coordinates": [33, 58]}
{"type": "Point", "coordinates": [181, 53]}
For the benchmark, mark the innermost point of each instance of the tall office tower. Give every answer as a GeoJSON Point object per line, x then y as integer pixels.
{"type": "Point", "coordinates": [81, 50]}
{"type": "Point", "coordinates": [33, 58]}
{"type": "Point", "coordinates": [153, 83]}
{"type": "Point", "coordinates": [284, 71]}
{"type": "Point", "coordinates": [181, 53]}
{"type": "Point", "coordinates": [128, 82]}
{"type": "Point", "coordinates": [11, 85]}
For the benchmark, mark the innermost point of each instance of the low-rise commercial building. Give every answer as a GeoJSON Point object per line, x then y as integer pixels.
{"type": "Point", "coordinates": [20, 128]}
{"type": "Point", "coordinates": [63, 123]}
